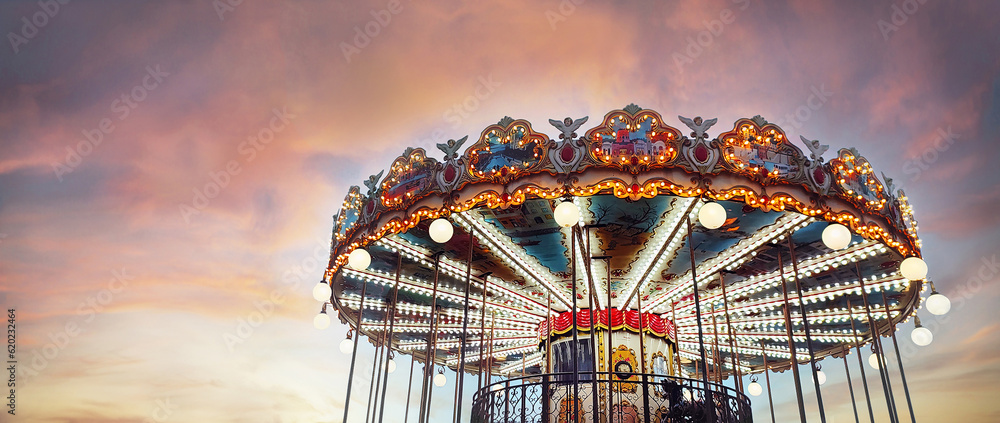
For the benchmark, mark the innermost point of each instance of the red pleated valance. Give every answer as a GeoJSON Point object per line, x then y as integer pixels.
{"type": "Point", "coordinates": [627, 320]}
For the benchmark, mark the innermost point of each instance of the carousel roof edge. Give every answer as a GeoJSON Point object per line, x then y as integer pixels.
{"type": "Point", "coordinates": [632, 142]}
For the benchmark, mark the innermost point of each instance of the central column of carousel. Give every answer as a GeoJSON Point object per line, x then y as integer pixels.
{"type": "Point", "coordinates": [634, 380]}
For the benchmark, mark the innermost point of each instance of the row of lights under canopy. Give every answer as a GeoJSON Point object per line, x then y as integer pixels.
{"type": "Point", "coordinates": [711, 215]}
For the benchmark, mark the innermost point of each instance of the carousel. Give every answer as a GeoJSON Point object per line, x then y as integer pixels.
{"type": "Point", "coordinates": [629, 272]}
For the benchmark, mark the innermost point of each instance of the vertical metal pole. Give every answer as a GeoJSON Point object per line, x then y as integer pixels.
{"type": "Point", "coordinates": [709, 401]}
{"type": "Point", "coordinates": [716, 354]}
{"type": "Point", "coordinates": [677, 337]}
{"type": "Point", "coordinates": [899, 360]}
{"type": "Point", "coordinates": [392, 324]}
{"type": "Point", "coordinates": [576, 338]}
{"type": "Point", "coordinates": [861, 363]}
{"type": "Point", "coordinates": [548, 361]}
{"type": "Point", "coordinates": [429, 358]}
{"type": "Point", "coordinates": [430, 380]}
{"type": "Point", "coordinates": [767, 378]}
{"type": "Point", "coordinates": [489, 357]}
{"type": "Point", "coordinates": [791, 341]}
{"type": "Point", "coordinates": [734, 352]}
{"type": "Point", "coordinates": [805, 323]}
{"type": "Point", "coordinates": [548, 335]}
{"type": "Point", "coordinates": [409, 388]}
{"type": "Point", "coordinates": [610, 335]}
{"type": "Point", "coordinates": [642, 363]}
{"type": "Point", "coordinates": [482, 331]}
{"type": "Point", "coordinates": [354, 354]}
{"type": "Point", "coordinates": [880, 356]}
{"type": "Point", "coordinates": [460, 383]}
{"type": "Point", "coordinates": [850, 386]}
{"type": "Point", "coordinates": [376, 380]}
{"type": "Point", "coordinates": [591, 296]}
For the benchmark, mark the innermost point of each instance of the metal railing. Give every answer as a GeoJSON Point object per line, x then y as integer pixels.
{"type": "Point", "coordinates": [628, 397]}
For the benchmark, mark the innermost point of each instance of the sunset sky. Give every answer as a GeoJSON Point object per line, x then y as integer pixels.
{"type": "Point", "coordinates": [169, 171]}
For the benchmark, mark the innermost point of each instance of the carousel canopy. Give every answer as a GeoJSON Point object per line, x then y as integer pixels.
{"type": "Point", "coordinates": [638, 186]}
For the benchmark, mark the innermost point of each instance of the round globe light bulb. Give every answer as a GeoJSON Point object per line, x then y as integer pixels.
{"type": "Point", "coordinates": [567, 214]}
{"type": "Point", "coordinates": [913, 268]}
{"type": "Point", "coordinates": [922, 336]}
{"type": "Point", "coordinates": [836, 236]}
{"type": "Point", "coordinates": [321, 292]}
{"type": "Point", "coordinates": [346, 346]}
{"type": "Point", "coordinates": [821, 377]}
{"type": "Point", "coordinates": [496, 387]}
{"type": "Point", "coordinates": [321, 321]}
{"type": "Point", "coordinates": [441, 230]}
{"type": "Point", "coordinates": [359, 259]}
{"type": "Point", "coordinates": [754, 389]}
{"type": "Point", "coordinates": [938, 304]}
{"type": "Point", "coordinates": [392, 365]}
{"type": "Point", "coordinates": [873, 361]}
{"type": "Point", "coordinates": [440, 379]}
{"type": "Point", "coordinates": [712, 215]}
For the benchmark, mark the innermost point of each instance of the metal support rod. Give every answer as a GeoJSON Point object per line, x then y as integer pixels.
{"type": "Point", "coordinates": [376, 380]}
{"type": "Point", "coordinates": [430, 380]}
{"type": "Point", "coordinates": [428, 357]}
{"type": "Point", "coordinates": [677, 349]}
{"type": "Point", "coordinates": [861, 363]}
{"type": "Point", "coordinates": [489, 356]}
{"type": "Point", "coordinates": [591, 296]}
{"type": "Point", "coordinates": [392, 324]}
{"type": "Point", "coordinates": [642, 362]}
{"type": "Point", "coordinates": [610, 333]}
{"type": "Point", "coordinates": [805, 323]}
{"type": "Point", "coordinates": [576, 337]}
{"type": "Point", "coordinates": [459, 384]}
{"type": "Point", "coordinates": [767, 378]}
{"type": "Point", "coordinates": [709, 402]}
{"type": "Point", "coordinates": [850, 387]}
{"type": "Point", "coordinates": [899, 360]}
{"type": "Point", "coordinates": [733, 352]}
{"type": "Point", "coordinates": [879, 355]}
{"type": "Point", "coordinates": [548, 336]}
{"type": "Point", "coordinates": [409, 388]}
{"type": "Point", "coordinates": [791, 341]}
{"type": "Point", "coordinates": [354, 353]}
{"type": "Point", "coordinates": [482, 331]}
{"type": "Point", "coordinates": [716, 354]}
